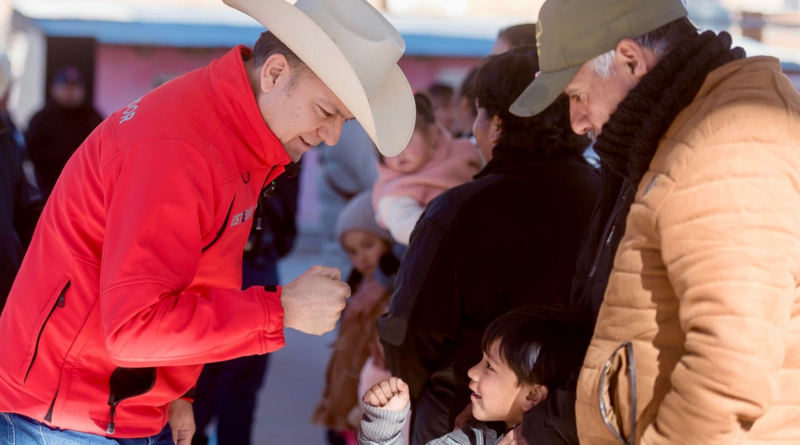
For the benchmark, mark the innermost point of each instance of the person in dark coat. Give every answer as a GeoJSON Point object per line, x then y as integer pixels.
{"type": "Point", "coordinates": [512, 233]}
{"type": "Point", "coordinates": [55, 132]}
{"type": "Point", "coordinates": [20, 200]}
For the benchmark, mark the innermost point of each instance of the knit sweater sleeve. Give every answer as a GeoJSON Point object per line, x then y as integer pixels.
{"type": "Point", "coordinates": [382, 427]}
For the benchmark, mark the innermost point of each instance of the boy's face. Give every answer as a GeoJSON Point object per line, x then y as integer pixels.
{"type": "Point", "coordinates": [495, 394]}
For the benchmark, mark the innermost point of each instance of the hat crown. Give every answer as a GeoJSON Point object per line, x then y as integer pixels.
{"type": "Point", "coordinates": [571, 32]}
{"type": "Point", "coordinates": [367, 40]}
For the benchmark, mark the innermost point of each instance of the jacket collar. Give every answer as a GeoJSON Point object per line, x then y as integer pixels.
{"type": "Point", "coordinates": [509, 160]}
{"type": "Point", "coordinates": [232, 88]}
{"type": "Point", "coordinates": [751, 64]}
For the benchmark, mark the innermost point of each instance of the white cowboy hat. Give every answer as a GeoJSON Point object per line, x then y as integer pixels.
{"type": "Point", "coordinates": [354, 50]}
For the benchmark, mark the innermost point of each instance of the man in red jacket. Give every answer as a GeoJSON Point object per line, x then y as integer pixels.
{"type": "Point", "coordinates": [132, 280]}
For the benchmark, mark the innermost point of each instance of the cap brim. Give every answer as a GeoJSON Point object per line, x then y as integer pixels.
{"type": "Point", "coordinates": [388, 116]}
{"type": "Point", "coordinates": [543, 91]}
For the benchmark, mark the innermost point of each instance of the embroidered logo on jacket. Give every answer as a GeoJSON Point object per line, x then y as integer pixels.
{"type": "Point", "coordinates": [243, 217]}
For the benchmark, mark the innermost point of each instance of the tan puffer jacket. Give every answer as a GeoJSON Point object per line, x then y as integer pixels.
{"type": "Point", "coordinates": [701, 318]}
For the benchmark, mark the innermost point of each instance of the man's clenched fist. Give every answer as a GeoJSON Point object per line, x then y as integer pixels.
{"type": "Point", "coordinates": [314, 302]}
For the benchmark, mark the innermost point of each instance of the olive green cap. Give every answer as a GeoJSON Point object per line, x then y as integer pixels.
{"type": "Point", "coordinates": [572, 32]}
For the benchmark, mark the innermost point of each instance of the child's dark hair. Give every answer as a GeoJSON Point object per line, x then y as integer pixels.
{"type": "Point", "coordinates": [541, 345]}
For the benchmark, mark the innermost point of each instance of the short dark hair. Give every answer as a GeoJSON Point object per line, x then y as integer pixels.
{"type": "Point", "coordinates": [519, 35]}
{"type": "Point", "coordinates": [542, 345]}
{"type": "Point", "coordinates": [268, 45]}
{"type": "Point", "coordinates": [500, 81]}
{"type": "Point", "coordinates": [441, 94]}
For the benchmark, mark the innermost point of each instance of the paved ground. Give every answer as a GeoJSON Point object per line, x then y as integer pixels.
{"type": "Point", "coordinates": [295, 377]}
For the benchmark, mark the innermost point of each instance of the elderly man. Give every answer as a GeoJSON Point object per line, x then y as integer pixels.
{"type": "Point", "coordinates": [697, 339]}
{"type": "Point", "coordinates": [132, 281]}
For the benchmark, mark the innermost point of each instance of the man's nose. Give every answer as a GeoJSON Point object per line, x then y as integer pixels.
{"type": "Point", "coordinates": [330, 132]}
{"type": "Point", "coordinates": [579, 119]}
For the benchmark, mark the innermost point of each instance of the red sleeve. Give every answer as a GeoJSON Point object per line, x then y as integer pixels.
{"type": "Point", "coordinates": [159, 203]}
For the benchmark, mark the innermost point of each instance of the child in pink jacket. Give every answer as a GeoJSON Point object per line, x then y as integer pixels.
{"type": "Point", "coordinates": [432, 163]}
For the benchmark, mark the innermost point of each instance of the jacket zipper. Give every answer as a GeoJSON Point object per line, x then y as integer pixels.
{"type": "Point", "coordinates": [611, 227]}
{"type": "Point", "coordinates": [111, 428]}
{"type": "Point", "coordinates": [266, 192]}
{"type": "Point", "coordinates": [222, 229]}
{"type": "Point", "coordinates": [60, 302]}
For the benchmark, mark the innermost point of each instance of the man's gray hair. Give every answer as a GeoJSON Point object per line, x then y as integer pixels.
{"type": "Point", "coordinates": [660, 41]}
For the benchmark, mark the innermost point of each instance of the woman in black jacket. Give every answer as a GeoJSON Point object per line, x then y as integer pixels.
{"type": "Point", "coordinates": [508, 239]}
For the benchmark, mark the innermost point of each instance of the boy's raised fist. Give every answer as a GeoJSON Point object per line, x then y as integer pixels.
{"type": "Point", "coordinates": [391, 394]}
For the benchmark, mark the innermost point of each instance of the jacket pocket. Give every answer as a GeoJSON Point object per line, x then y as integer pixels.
{"type": "Point", "coordinates": [618, 380]}
{"type": "Point", "coordinates": [124, 384]}
{"type": "Point", "coordinates": [221, 229]}
{"type": "Point", "coordinates": [59, 301]}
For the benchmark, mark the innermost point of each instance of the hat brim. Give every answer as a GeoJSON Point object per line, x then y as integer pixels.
{"type": "Point", "coordinates": [543, 91]}
{"type": "Point", "coordinates": [388, 116]}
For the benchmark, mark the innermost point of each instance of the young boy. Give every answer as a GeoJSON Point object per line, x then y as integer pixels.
{"type": "Point", "coordinates": [526, 353]}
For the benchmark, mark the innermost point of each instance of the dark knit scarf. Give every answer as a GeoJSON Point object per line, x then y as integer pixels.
{"type": "Point", "coordinates": [630, 138]}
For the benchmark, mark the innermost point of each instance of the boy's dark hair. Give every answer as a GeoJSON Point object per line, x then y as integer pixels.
{"type": "Point", "coordinates": [500, 81]}
{"type": "Point", "coordinates": [519, 35]}
{"type": "Point", "coordinates": [541, 345]}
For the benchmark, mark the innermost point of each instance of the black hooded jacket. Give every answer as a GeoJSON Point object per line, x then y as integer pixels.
{"type": "Point", "coordinates": [508, 239]}
{"type": "Point", "coordinates": [553, 421]}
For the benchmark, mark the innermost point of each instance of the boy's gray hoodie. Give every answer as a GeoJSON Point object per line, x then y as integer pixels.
{"type": "Point", "coordinates": [383, 427]}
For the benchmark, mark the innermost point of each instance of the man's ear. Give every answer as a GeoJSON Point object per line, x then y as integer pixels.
{"type": "Point", "coordinates": [497, 128]}
{"type": "Point", "coordinates": [535, 397]}
{"type": "Point", "coordinates": [635, 59]}
{"type": "Point", "coordinates": [275, 73]}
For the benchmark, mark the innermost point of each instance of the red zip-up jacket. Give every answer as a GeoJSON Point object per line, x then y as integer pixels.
{"type": "Point", "coordinates": [132, 281]}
